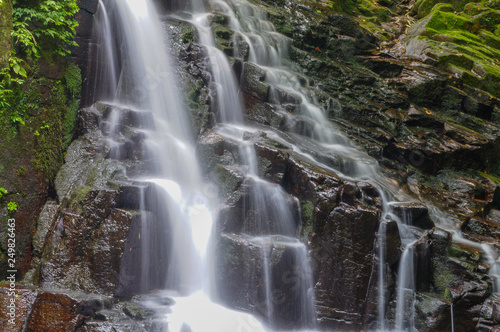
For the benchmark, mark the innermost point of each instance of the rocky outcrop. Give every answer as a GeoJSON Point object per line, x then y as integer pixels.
{"type": "Point", "coordinates": [38, 310]}
{"type": "Point", "coordinates": [87, 240]}
{"type": "Point", "coordinates": [456, 276]}
{"type": "Point", "coordinates": [85, 53]}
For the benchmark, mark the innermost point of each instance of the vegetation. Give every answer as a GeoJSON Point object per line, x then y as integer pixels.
{"type": "Point", "coordinates": [40, 26]}
{"type": "Point", "coordinates": [465, 38]}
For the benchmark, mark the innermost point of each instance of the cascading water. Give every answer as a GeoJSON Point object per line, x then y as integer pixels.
{"type": "Point", "coordinates": [141, 77]}
{"type": "Point", "coordinates": [268, 49]}
{"type": "Point", "coordinates": [273, 210]}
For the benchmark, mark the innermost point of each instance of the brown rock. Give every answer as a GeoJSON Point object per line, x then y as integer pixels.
{"type": "Point", "coordinates": [23, 302]}
{"type": "Point", "coordinates": [54, 312]}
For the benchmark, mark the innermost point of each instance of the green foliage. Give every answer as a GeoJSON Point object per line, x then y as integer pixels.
{"type": "Point", "coordinates": [37, 25]}
{"type": "Point", "coordinates": [43, 22]}
{"type": "Point", "coordinates": [365, 8]}
{"type": "Point", "coordinates": [11, 206]}
{"type": "Point", "coordinates": [3, 96]}
{"type": "Point", "coordinates": [3, 192]}
{"type": "Point", "coordinates": [72, 80]}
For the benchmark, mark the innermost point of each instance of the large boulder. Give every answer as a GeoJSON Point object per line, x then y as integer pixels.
{"type": "Point", "coordinates": [342, 254]}
{"type": "Point", "coordinates": [267, 277]}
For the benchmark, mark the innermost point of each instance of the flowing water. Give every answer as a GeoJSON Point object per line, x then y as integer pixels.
{"type": "Point", "coordinates": [141, 76]}
{"type": "Point", "coordinates": [138, 73]}
{"type": "Point", "coordinates": [268, 49]}
{"type": "Point", "coordinates": [273, 214]}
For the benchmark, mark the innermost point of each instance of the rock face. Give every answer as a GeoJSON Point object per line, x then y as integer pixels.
{"type": "Point", "coordinates": [455, 271]}
{"type": "Point", "coordinates": [343, 251]}
{"type": "Point", "coordinates": [87, 241]}
{"type": "Point", "coordinates": [23, 303]}
{"type": "Point", "coordinates": [85, 53]}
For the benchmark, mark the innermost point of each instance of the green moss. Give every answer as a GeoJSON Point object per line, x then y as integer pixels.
{"type": "Point", "coordinates": [467, 42]}
{"type": "Point", "coordinates": [307, 214]}
{"type": "Point", "coordinates": [78, 195]}
{"type": "Point", "coordinates": [423, 7]}
{"type": "Point", "coordinates": [5, 32]}
{"type": "Point", "coordinates": [72, 80]}
{"type": "Point", "coordinates": [188, 34]}
{"type": "Point", "coordinates": [21, 171]}
{"type": "Point", "coordinates": [493, 178]}
{"type": "Point", "coordinates": [490, 39]}
{"type": "Point", "coordinates": [443, 277]}
{"type": "Point", "coordinates": [462, 252]}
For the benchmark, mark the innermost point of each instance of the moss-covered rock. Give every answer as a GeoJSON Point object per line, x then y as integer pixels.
{"type": "Point", "coordinates": [462, 38]}
{"type": "Point", "coordinates": [5, 29]}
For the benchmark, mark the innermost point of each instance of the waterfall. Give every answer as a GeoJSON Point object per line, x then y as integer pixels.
{"type": "Point", "coordinates": [269, 50]}
{"type": "Point", "coordinates": [273, 211]}
{"type": "Point", "coordinates": [405, 305]}
{"type": "Point", "coordinates": [140, 77]}
{"type": "Point", "coordinates": [137, 73]}
{"type": "Point", "coordinates": [382, 241]}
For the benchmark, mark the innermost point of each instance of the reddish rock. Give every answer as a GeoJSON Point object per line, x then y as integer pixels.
{"type": "Point", "coordinates": [23, 302]}
{"type": "Point", "coordinates": [54, 312]}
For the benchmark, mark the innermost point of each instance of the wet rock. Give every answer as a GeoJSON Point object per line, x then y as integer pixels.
{"type": "Point", "coordinates": [484, 227]}
{"type": "Point", "coordinates": [393, 247]}
{"type": "Point", "coordinates": [82, 256]}
{"type": "Point", "coordinates": [490, 315]}
{"type": "Point", "coordinates": [413, 214]}
{"type": "Point", "coordinates": [88, 119]}
{"type": "Point", "coordinates": [342, 254]}
{"type": "Point", "coordinates": [136, 274]}
{"type": "Point", "coordinates": [88, 5]}
{"type": "Point", "coordinates": [114, 319]}
{"type": "Point", "coordinates": [129, 196]}
{"type": "Point", "coordinates": [89, 308]}
{"type": "Point", "coordinates": [253, 87]}
{"type": "Point", "coordinates": [242, 268]}
{"type": "Point", "coordinates": [274, 162]}
{"type": "Point", "coordinates": [54, 312]}
{"type": "Point", "coordinates": [456, 276]}
{"type": "Point", "coordinates": [370, 194]}
{"type": "Point", "coordinates": [259, 208]}
{"type": "Point", "coordinates": [384, 68]}
{"type": "Point", "coordinates": [45, 222]}
{"type": "Point", "coordinates": [432, 313]}
{"type": "Point", "coordinates": [137, 313]}
{"type": "Point", "coordinates": [15, 319]}
{"type": "Point", "coordinates": [214, 149]}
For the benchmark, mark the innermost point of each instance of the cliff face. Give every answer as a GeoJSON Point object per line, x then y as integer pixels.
{"type": "Point", "coordinates": [37, 124]}
{"type": "Point", "coordinates": [414, 84]}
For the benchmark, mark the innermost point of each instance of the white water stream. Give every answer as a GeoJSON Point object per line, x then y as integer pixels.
{"type": "Point", "coordinates": [133, 40]}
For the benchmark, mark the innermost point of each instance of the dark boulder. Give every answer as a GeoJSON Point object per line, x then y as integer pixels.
{"type": "Point", "coordinates": [413, 214]}
{"type": "Point", "coordinates": [342, 254]}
